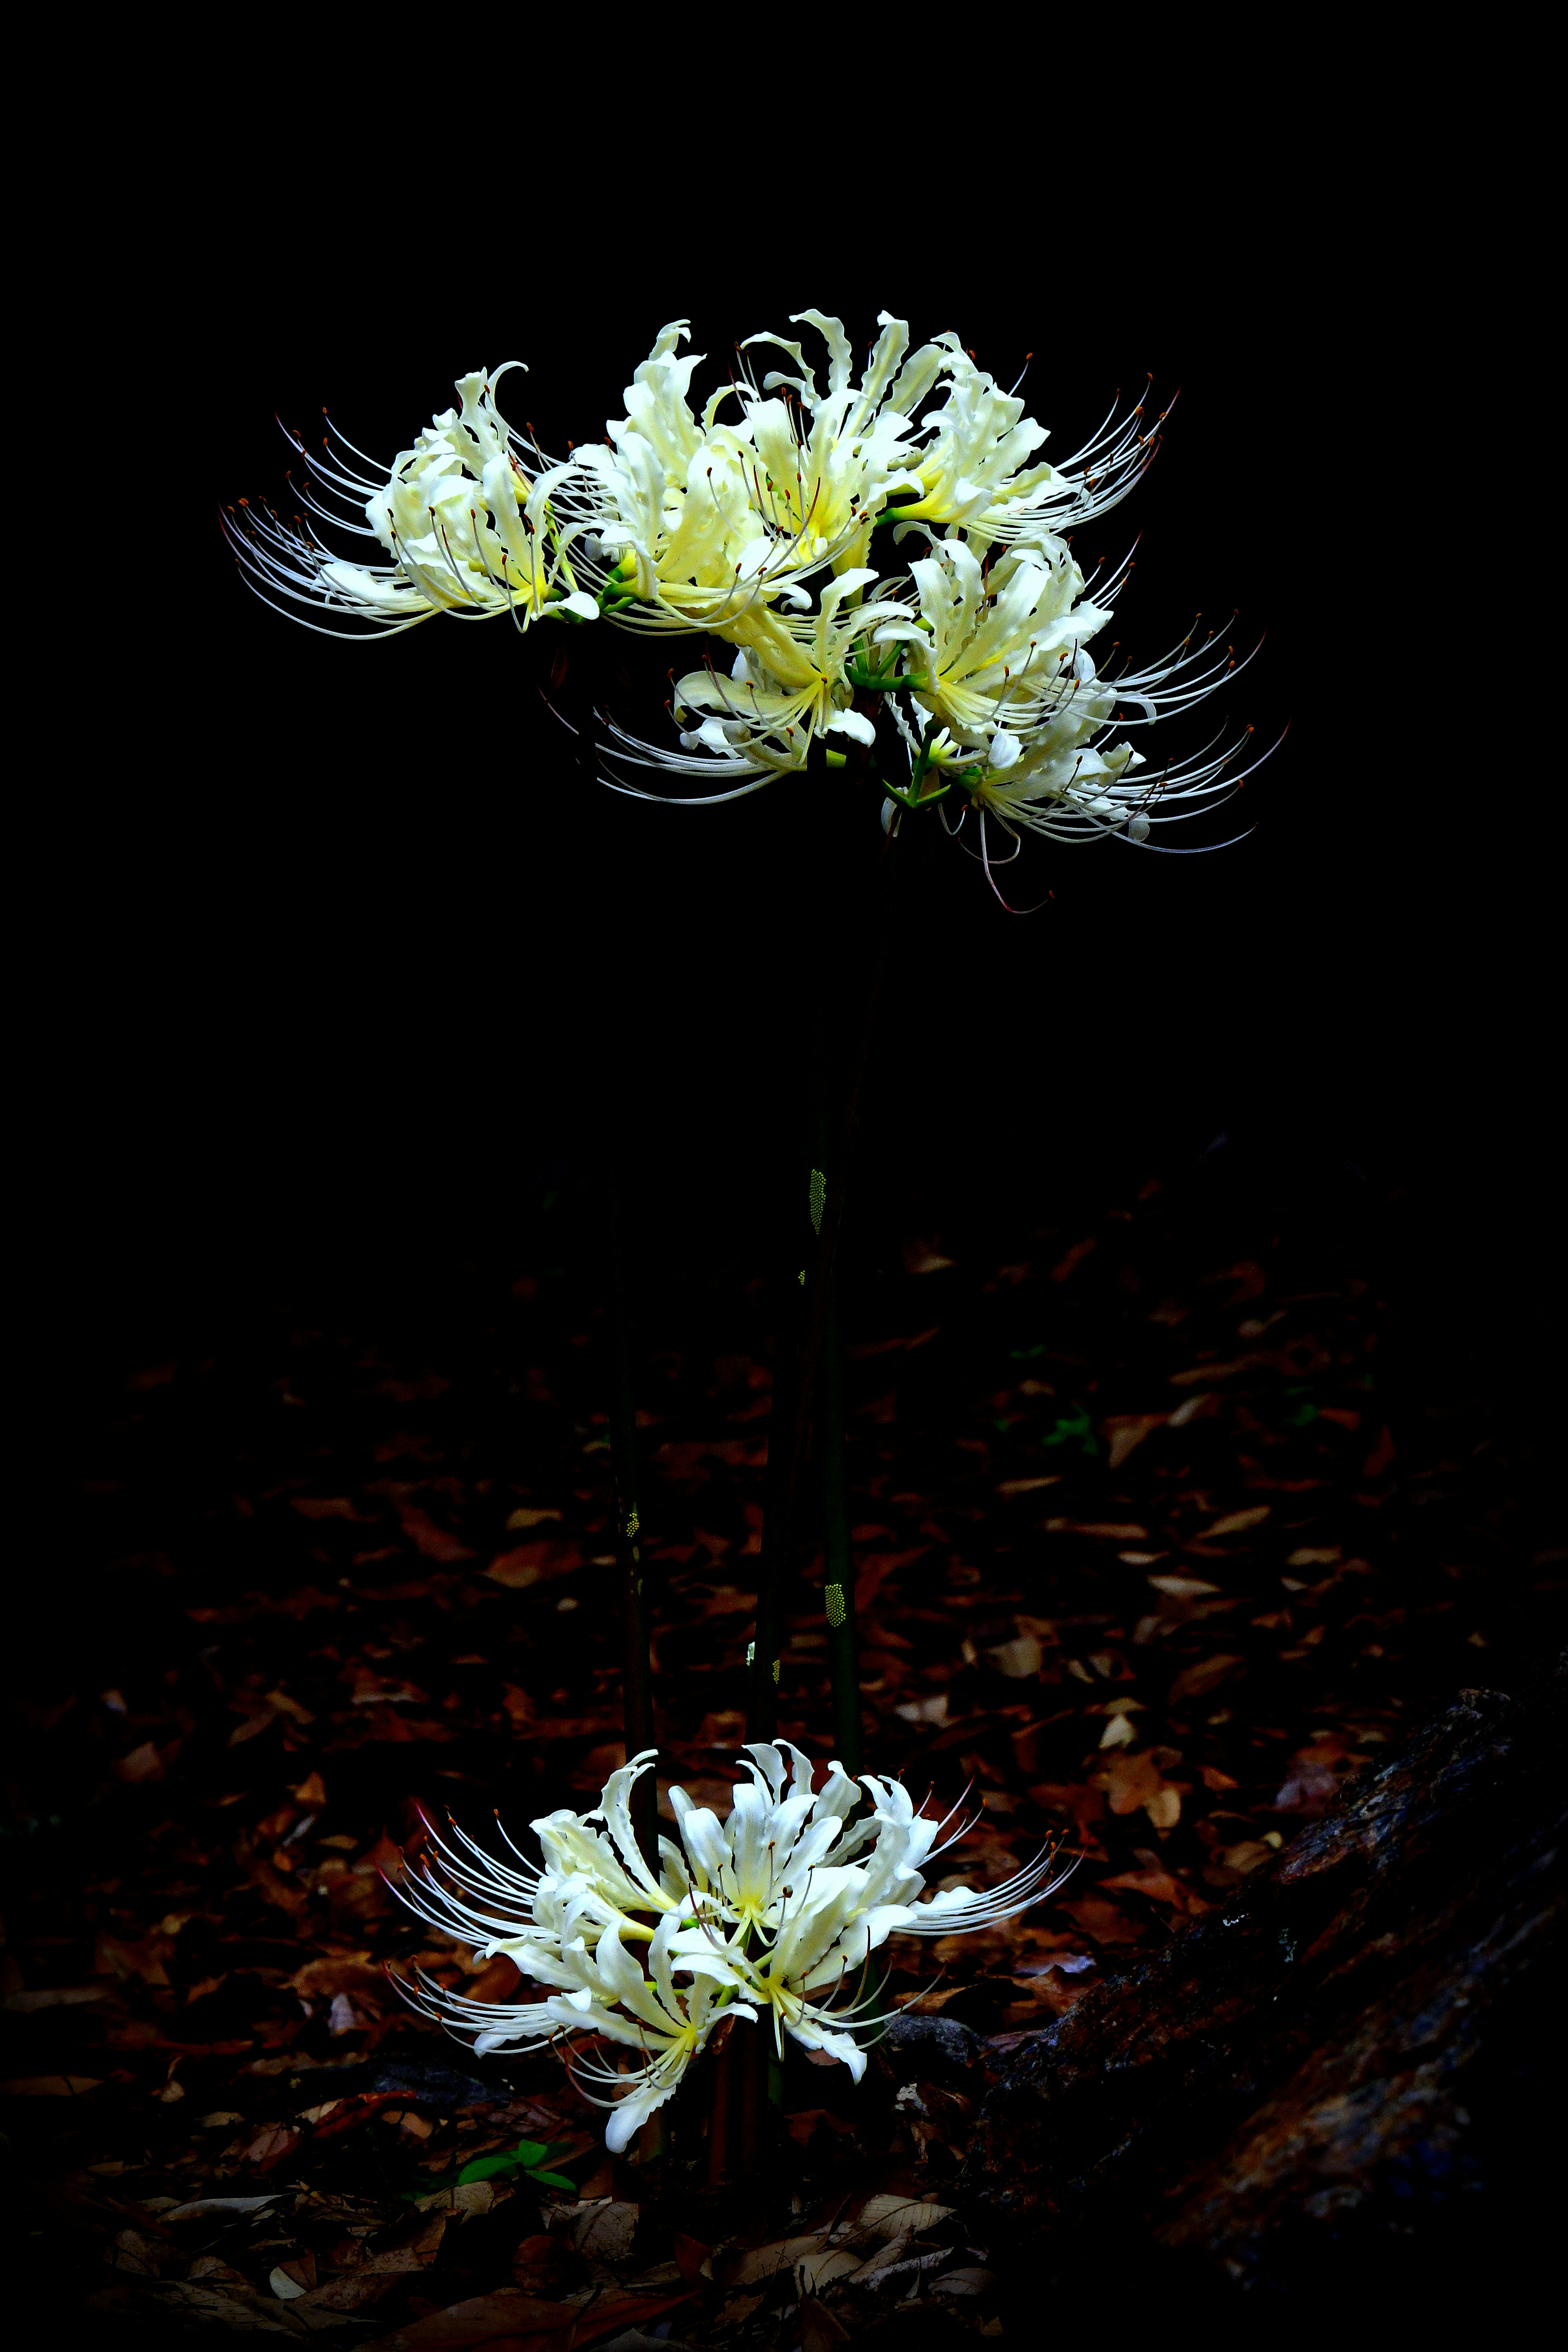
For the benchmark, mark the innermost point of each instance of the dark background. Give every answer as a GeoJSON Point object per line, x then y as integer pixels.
{"type": "Point", "coordinates": [339, 970]}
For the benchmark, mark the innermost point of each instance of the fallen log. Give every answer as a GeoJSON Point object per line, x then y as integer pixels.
{"type": "Point", "coordinates": [1346, 2079]}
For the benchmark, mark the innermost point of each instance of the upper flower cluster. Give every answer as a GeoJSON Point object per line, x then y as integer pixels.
{"type": "Point", "coordinates": [766, 1916]}
{"type": "Point", "coordinates": [964, 669]}
{"type": "Point", "coordinates": [775, 518]}
{"type": "Point", "coordinates": [704, 519]}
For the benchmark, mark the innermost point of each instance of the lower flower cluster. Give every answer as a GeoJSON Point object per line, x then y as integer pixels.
{"type": "Point", "coordinates": [770, 1915]}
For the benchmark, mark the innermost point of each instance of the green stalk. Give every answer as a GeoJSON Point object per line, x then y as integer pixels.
{"type": "Point", "coordinates": [839, 1564]}
{"type": "Point", "coordinates": [637, 1677]}
{"type": "Point", "coordinates": [580, 672]}
{"type": "Point", "coordinates": [636, 1680]}
{"type": "Point", "coordinates": [800, 1349]}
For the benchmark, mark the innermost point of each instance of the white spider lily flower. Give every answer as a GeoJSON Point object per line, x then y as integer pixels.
{"type": "Point", "coordinates": [790, 679]}
{"type": "Point", "coordinates": [469, 529]}
{"type": "Point", "coordinates": [677, 551]}
{"type": "Point", "coordinates": [1061, 787]}
{"type": "Point", "coordinates": [977, 455]}
{"type": "Point", "coordinates": [690, 529]}
{"type": "Point", "coordinates": [1069, 791]}
{"type": "Point", "coordinates": [974, 473]}
{"type": "Point", "coordinates": [831, 483]}
{"type": "Point", "coordinates": [766, 1916]}
{"type": "Point", "coordinates": [994, 652]}
{"type": "Point", "coordinates": [1097, 477]}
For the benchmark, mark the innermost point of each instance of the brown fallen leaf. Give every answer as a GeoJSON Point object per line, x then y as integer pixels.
{"type": "Point", "coordinates": [1125, 1431]}
{"type": "Point", "coordinates": [541, 2265]}
{"type": "Point", "coordinates": [407, 2119]}
{"type": "Point", "coordinates": [1235, 1523]}
{"type": "Point", "coordinates": [819, 2330]}
{"type": "Point", "coordinates": [1310, 1780]}
{"type": "Point", "coordinates": [268, 1882]}
{"type": "Point", "coordinates": [1382, 1454]}
{"type": "Point", "coordinates": [750, 2263]}
{"type": "Point", "coordinates": [802, 2124]}
{"type": "Point", "coordinates": [272, 2143]}
{"type": "Point", "coordinates": [260, 1714]}
{"type": "Point", "coordinates": [1019, 1660]}
{"type": "Point", "coordinates": [509, 2318]}
{"type": "Point", "coordinates": [51, 2086]}
{"type": "Point", "coordinates": [436, 1543]}
{"type": "Point", "coordinates": [284, 1704]}
{"type": "Point", "coordinates": [197, 2206]}
{"type": "Point", "coordinates": [535, 1563]}
{"type": "Point", "coordinates": [119, 1955]}
{"type": "Point", "coordinates": [1159, 1887]}
{"type": "Point", "coordinates": [1197, 1681]}
{"type": "Point", "coordinates": [55, 1997]}
{"type": "Point", "coordinates": [335, 1972]}
{"type": "Point", "coordinates": [353, 2291]}
{"type": "Point", "coordinates": [1081, 1800]}
{"type": "Point", "coordinates": [1130, 1781]}
{"type": "Point", "coordinates": [1073, 1259]}
{"type": "Point", "coordinates": [602, 2229]}
{"type": "Point", "coordinates": [693, 2259]}
{"type": "Point", "coordinates": [924, 1258]}
{"type": "Point", "coordinates": [1104, 1922]}
{"type": "Point", "coordinates": [466, 2196]}
{"type": "Point", "coordinates": [814, 2271]}
{"type": "Point", "coordinates": [623, 2309]}
{"type": "Point", "coordinates": [369, 1688]}
{"type": "Point", "coordinates": [1107, 1530]}
{"type": "Point", "coordinates": [892, 2214]}
{"type": "Point", "coordinates": [1248, 1854]}
{"type": "Point", "coordinates": [875, 1569]}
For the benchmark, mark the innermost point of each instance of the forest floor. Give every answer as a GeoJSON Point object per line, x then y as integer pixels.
{"type": "Point", "coordinates": [1165, 1525]}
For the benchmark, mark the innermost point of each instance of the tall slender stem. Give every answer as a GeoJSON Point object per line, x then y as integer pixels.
{"type": "Point", "coordinates": [637, 1677]}
{"type": "Point", "coordinates": [580, 672]}
{"type": "Point", "coordinates": [637, 1681]}
{"type": "Point", "coordinates": [839, 1564]}
{"type": "Point", "coordinates": [722, 2071]}
{"type": "Point", "coordinates": [795, 1377]}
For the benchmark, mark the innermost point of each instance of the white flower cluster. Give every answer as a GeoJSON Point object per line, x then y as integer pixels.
{"type": "Point", "coordinates": [775, 519]}
{"type": "Point", "coordinates": [767, 1917]}
{"type": "Point", "coordinates": [466, 521]}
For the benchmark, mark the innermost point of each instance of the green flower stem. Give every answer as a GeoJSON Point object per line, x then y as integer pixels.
{"type": "Point", "coordinates": [578, 677]}
{"type": "Point", "coordinates": [637, 1681]}
{"type": "Point", "coordinates": [800, 1347]}
{"type": "Point", "coordinates": [839, 1564]}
